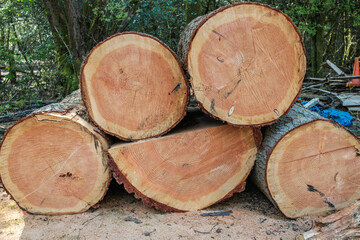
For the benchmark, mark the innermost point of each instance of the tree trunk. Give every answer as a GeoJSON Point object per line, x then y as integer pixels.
{"type": "Point", "coordinates": [317, 46]}
{"type": "Point", "coordinates": [308, 165]}
{"type": "Point", "coordinates": [190, 169]}
{"type": "Point", "coordinates": [58, 21]}
{"type": "Point", "coordinates": [54, 161]}
{"type": "Point", "coordinates": [239, 57]}
{"type": "Point", "coordinates": [133, 86]}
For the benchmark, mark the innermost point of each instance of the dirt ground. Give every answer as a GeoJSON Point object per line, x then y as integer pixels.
{"type": "Point", "coordinates": [121, 216]}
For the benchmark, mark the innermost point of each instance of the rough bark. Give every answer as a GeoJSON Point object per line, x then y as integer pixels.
{"type": "Point", "coordinates": [233, 68]}
{"type": "Point", "coordinates": [268, 171]}
{"type": "Point", "coordinates": [344, 224]}
{"type": "Point", "coordinates": [146, 90]}
{"type": "Point", "coordinates": [54, 161]}
{"type": "Point", "coordinates": [190, 169]}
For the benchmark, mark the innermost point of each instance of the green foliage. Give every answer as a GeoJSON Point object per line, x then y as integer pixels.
{"type": "Point", "coordinates": [41, 60]}
{"type": "Point", "coordinates": [26, 52]}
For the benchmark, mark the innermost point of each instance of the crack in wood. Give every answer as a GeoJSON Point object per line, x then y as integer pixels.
{"type": "Point", "coordinates": [311, 188]}
{"type": "Point", "coordinates": [96, 144]}
{"type": "Point", "coordinates": [219, 34]}
{"type": "Point", "coordinates": [318, 154]}
{"type": "Point", "coordinates": [232, 90]}
{"type": "Point", "coordinates": [212, 106]}
{"type": "Point", "coordinates": [177, 88]}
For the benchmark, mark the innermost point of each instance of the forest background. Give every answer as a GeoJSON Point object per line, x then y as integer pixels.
{"type": "Point", "coordinates": [44, 42]}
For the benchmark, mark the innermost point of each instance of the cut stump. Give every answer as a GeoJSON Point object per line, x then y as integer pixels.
{"type": "Point", "coordinates": [189, 169]}
{"type": "Point", "coordinates": [133, 86]}
{"type": "Point", "coordinates": [246, 63]}
{"type": "Point", "coordinates": [308, 165]}
{"type": "Point", "coordinates": [54, 161]}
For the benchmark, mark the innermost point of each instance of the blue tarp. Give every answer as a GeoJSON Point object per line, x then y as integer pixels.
{"type": "Point", "coordinates": [343, 118]}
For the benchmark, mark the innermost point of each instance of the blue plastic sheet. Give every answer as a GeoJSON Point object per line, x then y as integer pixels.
{"type": "Point", "coordinates": [343, 118]}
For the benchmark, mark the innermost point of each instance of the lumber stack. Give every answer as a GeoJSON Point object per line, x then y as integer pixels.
{"type": "Point", "coordinates": [246, 65]}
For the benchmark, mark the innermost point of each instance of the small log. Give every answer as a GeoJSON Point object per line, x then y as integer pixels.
{"type": "Point", "coordinates": [344, 224]}
{"type": "Point", "coordinates": [239, 57]}
{"type": "Point", "coordinates": [189, 169]}
{"type": "Point", "coordinates": [133, 86]}
{"type": "Point", "coordinates": [15, 116]}
{"type": "Point", "coordinates": [54, 161]}
{"type": "Point", "coordinates": [308, 165]}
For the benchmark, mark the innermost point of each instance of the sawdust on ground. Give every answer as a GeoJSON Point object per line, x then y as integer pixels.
{"type": "Point", "coordinates": [121, 216]}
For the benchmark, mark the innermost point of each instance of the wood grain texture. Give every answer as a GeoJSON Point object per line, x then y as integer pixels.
{"type": "Point", "coordinates": [246, 63]}
{"type": "Point", "coordinates": [133, 86]}
{"type": "Point", "coordinates": [54, 161]}
{"type": "Point", "coordinates": [308, 165]}
{"type": "Point", "coordinates": [187, 170]}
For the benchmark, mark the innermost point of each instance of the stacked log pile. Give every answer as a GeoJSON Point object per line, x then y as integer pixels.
{"type": "Point", "coordinates": [246, 64]}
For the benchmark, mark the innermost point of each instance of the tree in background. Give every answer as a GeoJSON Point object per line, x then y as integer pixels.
{"type": "Point", "coordinates": [77, 26]}
{"type": "Point", "coordinates": [26, 52]}
{"type": "Point", "coordinates": [330, 29]}
{"type": "Point", "coordinates": [43, 43]}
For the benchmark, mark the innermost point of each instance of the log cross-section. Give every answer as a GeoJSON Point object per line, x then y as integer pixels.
{"type": "Point", "coordinates": [308, 165]}
{"type": "Point", "coordinates": [54, 161]}
{"type": "Point", "coordinates": [133, 86]}
{"type": "Point", "coordinates": [186, 170]}
{"type": "Point", "coordinates": [246, 63]}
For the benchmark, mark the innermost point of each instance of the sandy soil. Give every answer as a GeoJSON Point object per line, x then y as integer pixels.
{"type": "Point", "coordinates": [121, 216]}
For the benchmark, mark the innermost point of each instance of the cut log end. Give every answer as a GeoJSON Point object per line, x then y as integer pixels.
{"type": "Point", "coordinates": [133, 86]}
{"type": "Point", "coordinates": [189, 170]}
{"type": "Point", "coordinates": [54, 164]}
{"type": "Point", "coordinates": [314, 169]}
{"type": "Point", "coordinates": [240, 57]}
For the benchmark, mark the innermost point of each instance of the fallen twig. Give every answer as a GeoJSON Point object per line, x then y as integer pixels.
{"type": "Point", "coordinates": [15, 116]}
{"type": "Point", "coordinates": [132, 219]}
{"type": "Point", "coordinates": [216, 214]}
{"type": "Point", "coordinates": [313, 86]}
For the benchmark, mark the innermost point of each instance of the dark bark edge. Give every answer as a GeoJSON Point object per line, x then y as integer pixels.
{"type": "Point", "coordinates": [121, 179]}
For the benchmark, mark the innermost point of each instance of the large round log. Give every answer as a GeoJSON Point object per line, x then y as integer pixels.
{"type": "Point", "coordinates": [189, 169]}
{"type": "Point", "coordinates": [133, 86]}
{"type": "Point", "coordinates": [54, 161]}
{"type": "Point", "coordinates": [308, 165]}
{"type": "Point", "coordinates": [246, 63]}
